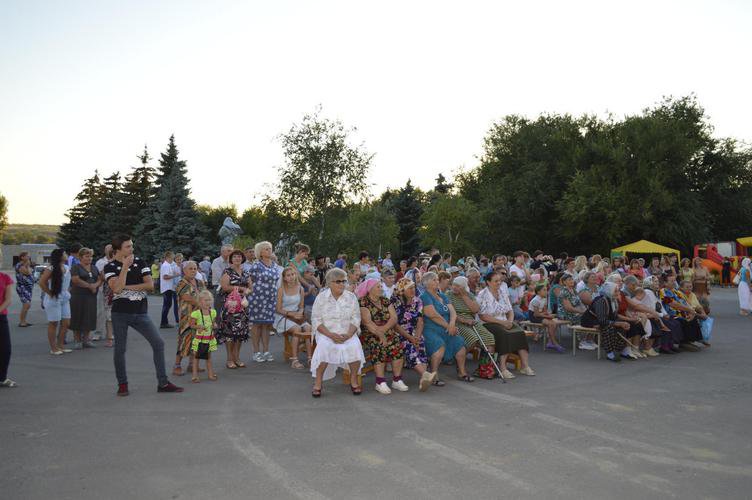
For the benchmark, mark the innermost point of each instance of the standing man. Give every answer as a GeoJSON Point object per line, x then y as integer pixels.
{"type": "Point", "coordinates": [205, 267]}
{"type": "Point", "coordinates": [73, 254]}
{"type": "Point", "coordinates": [250, 258]}
{"type": "Point", "coordinates": [101, 295]}
{"type": "Point", "coordinates": [24, 286]}
{"type": "Point", "coordinates": [218, 267]}
{"type": "Point", "coordinates": [167, 287]}
{"type": "Point", "coordinates": [129, 277]}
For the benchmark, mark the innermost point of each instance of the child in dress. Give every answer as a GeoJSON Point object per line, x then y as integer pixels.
{"type": "Point", "coordinates": [203, 321]}
{"type": "Point", "coordinates": [539, 314]}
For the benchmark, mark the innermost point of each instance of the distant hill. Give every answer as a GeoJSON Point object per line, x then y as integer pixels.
{"type": "Point", "coordinates": [15, 234]}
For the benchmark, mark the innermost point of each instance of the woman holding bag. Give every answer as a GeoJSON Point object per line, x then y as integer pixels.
{"type": "Point", "coordinates": [745, 304]}
{"type": "Point", "coordinates": [234, 285]}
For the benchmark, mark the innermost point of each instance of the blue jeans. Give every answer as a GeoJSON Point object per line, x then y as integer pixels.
{"type": "Point", "coordinates": [169, 298]}
{"type": "Point", "coordinates": [143, 325]}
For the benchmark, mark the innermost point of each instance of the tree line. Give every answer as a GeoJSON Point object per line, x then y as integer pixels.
{"type": "Point", "coordinates": [558, 182]}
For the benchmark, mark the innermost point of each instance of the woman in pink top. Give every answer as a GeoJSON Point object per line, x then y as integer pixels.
{"type": "Point", "coordinates": [6, 292]}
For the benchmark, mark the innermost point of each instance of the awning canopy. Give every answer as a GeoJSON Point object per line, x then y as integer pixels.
{"type": "Point", "coordinates": [747, 241]}
{"type": "Point", "coordinates": [644, 246]}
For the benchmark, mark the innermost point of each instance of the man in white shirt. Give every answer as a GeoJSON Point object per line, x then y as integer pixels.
{"type": "Point", "coordinates": [218, 267]}
{"type": "Point", "coordinates": [167, 287]}
{"type": "Point", "coordinates": [102, 321]}
{"type": "Point", "coordinates": [387, 282]}
{"type": "Point", "coordinates": [205, 267]}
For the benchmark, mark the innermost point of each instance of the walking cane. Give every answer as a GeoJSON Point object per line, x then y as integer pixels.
{"type": "Point", "coordinates": [483, 344]}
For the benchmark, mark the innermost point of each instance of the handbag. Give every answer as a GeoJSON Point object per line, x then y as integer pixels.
{"type": "Point", "coordinates": [202, 350]}
{"type": "Point", "coordinates": [233, 302]}
{"type": "Point", "coordinates": [737, 278]}
{"type": "Point", "coordinates": [706, 326]}
{"type": "Point", "coordinates": [485, 369]}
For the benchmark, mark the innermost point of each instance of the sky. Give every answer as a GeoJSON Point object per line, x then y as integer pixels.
{"type": "Point", "coordinates": [85, 85]}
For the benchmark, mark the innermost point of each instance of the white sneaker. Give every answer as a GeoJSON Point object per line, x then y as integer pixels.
{"type": "Point", "coordinates": [258, 357]}
{"type": "Point", "coordinates": [506, 374]}
{"type": "Point", "coordinates": [582, 345]}
{"type": "Point", "coordinates": [383, 388]}
{"type": "Point", "coordinates": [698, 344]}
{"type": "Point", "coordinates": [425, 381]}
{"type": "Point", "coordinates": [400, 386]}
{"type": "Point", "coordinates": [590, 346]}
{"type": "Point", "coordinates": [527, 371]}
{"type": "Point", "coordinates": [268, 356]}
{"type": "Point", "coordinates": [56, 353]}
{"type": "Point", "coordinates": [96, 337]}
{"type": "Point", "coordinates": [65, 350]}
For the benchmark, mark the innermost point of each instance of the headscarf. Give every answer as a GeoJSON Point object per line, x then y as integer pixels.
{"type": "Point", "coordinates": [461, 281]}
{"type": "Point", "coordinates": [403, 285]}
{"type": "Point", "coordinates": [746, 262]}
{"type": "Point", "coordinates": [365, 287]}
{"type": "Point", "coordinates": [607, 290]}
{"type": "Point", "coordinates": [647, 283]}
{"type": "Point", "coordinates": [373, 275]}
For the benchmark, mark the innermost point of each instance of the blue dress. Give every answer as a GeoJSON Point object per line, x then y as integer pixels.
{"type": "Point", "coordinates": [436, 336]}
{"type": "Point", "coordinates": [263, 301]}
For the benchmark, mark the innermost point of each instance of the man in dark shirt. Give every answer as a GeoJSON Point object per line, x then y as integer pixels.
{"type": "Point", "coordinates": [129, 277]}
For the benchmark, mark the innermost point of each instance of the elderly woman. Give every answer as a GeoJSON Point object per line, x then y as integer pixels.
{"type": "Point", "coordinates": [409, 309]}
{"type": "Point", "coordinates": [233, 325]}
{"type": "Point", "coordinates": [634, 313]}
{"type": "Point", "coordinates": [569, 307]}
{"type": "Point", "coordinates": [602, 313]}
{"type": "Point", "coordinates": [497, 316]}
{"type": "Point", "coordinates": [290, 314]}
{"type": "Point", "coordinates": [694, 303]}
{"type": "Point", "coordinates": [473, 280]}
{"type": "Point", "coordinates": [440, 330]}
{"type": "Point", "coordinates": [85, 281]}
{"type": "Point", "coordinates": [336, 322]}
{"type": "Point", "coordinates": [263, 300]}
{"type": "Point", "coordinates": [701, 283]}
{"type": "Point", "coordinates": [378, 319]}
{"type": "Point", "coordinates": [678, 309]}
{"type": "Point", "coordinates": [467, 308]}
{"type": "Point", "coordinates": [187, 291]}
{"type": "Point", "coordinates": [743, 289]}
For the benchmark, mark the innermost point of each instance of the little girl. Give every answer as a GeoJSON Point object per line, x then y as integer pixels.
{"type": "Point", "coordinates": [204, 341]}
{"type": "Point", "coordinates": [539, 314]}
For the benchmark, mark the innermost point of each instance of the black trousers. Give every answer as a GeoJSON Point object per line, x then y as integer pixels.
{"type": "Point", "coordinates": [169, 298]}
{"type": "Point", "coordinates": [4, 347]}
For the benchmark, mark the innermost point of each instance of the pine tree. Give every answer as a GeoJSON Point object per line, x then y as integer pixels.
{"type": "Point", "coordinates": [138, 191]}
{"type": "Point", "coordinates": [172, 214]}
{"type": "Point", "coordinates": [408, 208]}
{"type": "Point", "coordinates": [80, 227]}
{"type": "Point", "coordinates": [107, 213]}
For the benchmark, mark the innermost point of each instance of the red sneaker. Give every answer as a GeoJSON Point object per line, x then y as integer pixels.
{"type": "Point", "coordinates": [122, 390]}
{"type": "Point", "coordinates": [169, 387]}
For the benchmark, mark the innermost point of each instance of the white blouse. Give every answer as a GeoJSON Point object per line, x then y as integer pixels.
{"type": "Point", "coordinates": [492, 307]}
{"type": "Point", "coordinates": [335, 314]}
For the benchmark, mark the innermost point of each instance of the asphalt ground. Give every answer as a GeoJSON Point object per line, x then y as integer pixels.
{"type": "Point", "coordinates": [670, 427]}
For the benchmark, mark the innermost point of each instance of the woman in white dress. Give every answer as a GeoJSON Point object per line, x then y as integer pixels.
{"type": "Point", "coordinates": [745, 304]}
{"type": "Point", "coordinates": [336, 324]}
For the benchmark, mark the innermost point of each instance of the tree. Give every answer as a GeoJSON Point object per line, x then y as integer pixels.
{"type": "Point", "coordinates": [172, 214]}
{"type": "Point", "coordinates": [138, 192]}
{"type": "Point", "coordinates": [213, 217]}
{"type": "Point", "coordinates": [79, 228]}
{"type": "Point", "coordinates": [407, 208]}
{"type": "Point", "coordinates": [252, 222]}
{"type": "Point", "coordinates": [442, 186]}
{"type": "Point", "coordinates": [370, 227]}
{"type": "Point", "coordinates": [3, 215]}
{"type": "Point", "coordinates": [450, 223]}
{"type": "Point", "coordinates": [322, 170]}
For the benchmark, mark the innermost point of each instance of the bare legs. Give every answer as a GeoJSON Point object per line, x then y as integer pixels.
{"type": "Point", "coordinates": [24, 310]}
{"type": "Point", "coordinates": [354, 370]}
{"type": "Point", "coordinates": [56, 338]}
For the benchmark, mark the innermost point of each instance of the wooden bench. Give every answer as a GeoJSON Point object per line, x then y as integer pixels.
{"type": "Point", "coordinates": [582, 330]}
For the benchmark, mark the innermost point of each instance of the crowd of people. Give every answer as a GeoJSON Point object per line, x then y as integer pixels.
{"type": "Point", "coordinates": [414, 314]}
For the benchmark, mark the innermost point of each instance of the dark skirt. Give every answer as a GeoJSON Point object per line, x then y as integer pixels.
{"type": "Point", "coordinates": [691, 330]}
{"type": "Point", "coordinates": [508, 341]}
{"type": "Point", "coordinates": [83, 312]}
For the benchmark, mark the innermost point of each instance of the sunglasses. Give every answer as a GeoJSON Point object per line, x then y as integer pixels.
{"type": "Point", "coordinates": [340, 282]}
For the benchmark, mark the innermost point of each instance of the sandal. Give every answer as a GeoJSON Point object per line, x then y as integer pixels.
{"type": "Point", "coordinates": [296, 364]}
{"type": "Point", "coordinates": [240, 364]}
{"type": "Point", "coordinates": [177, 370]}
{"type": "Point", "coordinates": [438, 383]}
{"type": "Point", "coordinates": [213, 377]}
{"type": "Point", "coordinates": [357, 391]}
{"type": "Point", "coordinates": [316, 393]}
{"type": "Point", "coordinates": [108, 343]}
{"type": "Point", "coordinates": [24, 325]}
{"type": "Point", "coordinates": [230, 366]}
{"type": "Point", "coordinates": [195, 380]}
{"type": "Point", "coordinates": [465, 378]}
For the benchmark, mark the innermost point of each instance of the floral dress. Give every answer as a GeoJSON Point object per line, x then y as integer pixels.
{"type": "Point", "coordinates": [233, 326]}
{"type": "Point", "coordinates": [378, 353]}
{"type": "Point", "coordinates": [263, 300]}
{"type": "Point", "coordinates": [24, 284]}
{"type": "Point", "coordinates": [185, 332]}
{"type": "Point", "coordinates": [408, 316]}
{"type": "Point", "coordinates": [574, 299]}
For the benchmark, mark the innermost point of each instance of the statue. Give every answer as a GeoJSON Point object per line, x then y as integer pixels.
{"type": "Point", "coordinates": [229, 231]}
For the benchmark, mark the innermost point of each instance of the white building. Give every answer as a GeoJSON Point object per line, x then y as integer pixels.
{"type": "Point", "coordinates": [39, 252]}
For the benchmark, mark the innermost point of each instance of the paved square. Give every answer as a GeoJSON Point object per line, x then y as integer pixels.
{"type": "Point", "coordinates": [671, 427]}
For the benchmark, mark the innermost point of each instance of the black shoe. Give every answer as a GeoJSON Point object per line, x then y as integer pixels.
{"type": "Point", "coordinates": [169, 387]}
{"type": "Point", "coordinates": [166, 325]}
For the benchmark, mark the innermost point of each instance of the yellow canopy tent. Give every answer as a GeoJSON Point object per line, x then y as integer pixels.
{"type": "Point", "coordinates": [643, 246]}
{"type": "Point", "coordinates": [747, 242]}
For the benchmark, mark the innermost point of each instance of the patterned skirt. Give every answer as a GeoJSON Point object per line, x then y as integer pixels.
{"type": "Point", "coordinates": [378, 353]}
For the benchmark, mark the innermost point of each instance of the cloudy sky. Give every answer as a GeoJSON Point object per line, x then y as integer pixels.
{"type": "Point", "coordinates": [84, 85]}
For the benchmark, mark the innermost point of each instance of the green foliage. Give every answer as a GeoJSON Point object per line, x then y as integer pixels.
{"type": "Point", "coordinates": [451, 224]}
{"type": "Point", "coordinates": [3, 214]}
{"type": "Point", "coordinates": [370, 227]}
{"type": "Point", "coordinates": [138, 191]}
{"type": "Point", "coordinates": [213, 217]}
{"type": "Point", "coordinates": [407, 206]}
{"type": "Point", "coordinates": [322, 170]}
{"type": "Point", "coordinates": [83, 223]}
{"type": "Point", "coordinates": [16, 234]}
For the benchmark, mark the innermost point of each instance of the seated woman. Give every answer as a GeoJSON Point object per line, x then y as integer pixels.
{"type": "Point", "coordinates": [694, 303]}
{"type": "Point", "coordinates": [570, 307]}
{"type": "Point", "coordinates": [353, 278]}
{"type": "Point", "coordinates": [602, 313]}
{"type": "Point", "coordinates": [378, 319]}
{"type": "Point", "coordinates": [444, 279]}
{"type": "Point", "coordinates": [497, 316]}
{"type": "Point", "coordinates": [659, 329]}
{"type": "Point", "coordinates": [675, 304]}
{"type": "Point", "coordinates": [516, 296]}
{"type": "Point", "coordinates": [409, 309]}
{"type": "Point", "coordinates": [290, 314]}
{"type": "Point", "coordinates": [440, 330]}
{"type": "Point", "coordinates": [336, 322]}
{"type": "Point", "coordinates": [587, 290]}
{"type": "Point", "coordinates": [539, 314]}
{"type": "Point", "coordinates": [636, 270]}
{"type": "Point", "coordinates": [466, 308]}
